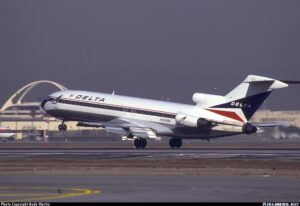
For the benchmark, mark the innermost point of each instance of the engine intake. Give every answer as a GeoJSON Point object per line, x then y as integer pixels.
{"type": "Point", "coordinates": [192, 121]}
{"type": "Point", "coordinates": [203, 123]}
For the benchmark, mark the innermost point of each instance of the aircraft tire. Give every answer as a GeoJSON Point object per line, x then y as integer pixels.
{"type": "Point", "coordinates": [65, 127]}
{"type": "Point", "coordinates": [140, 143]}
{"type": "Point", "coordinates": [175, 142]}
{"type": "Point", "coordinates": [62, 127]}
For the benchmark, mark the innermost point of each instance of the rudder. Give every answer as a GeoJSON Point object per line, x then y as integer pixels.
{"type": "Point", "coordinates": [250, 94]}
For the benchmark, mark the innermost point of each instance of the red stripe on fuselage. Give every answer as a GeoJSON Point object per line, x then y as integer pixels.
{"type": "Point", "coordinates": [231, 115]}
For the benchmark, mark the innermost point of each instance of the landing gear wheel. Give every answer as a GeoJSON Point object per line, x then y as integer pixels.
{"type": "Point", "coordinates": [62, 127]}
{"type": "Point", "coordinates": [175, 142]}
{"type": "Point", "coordinates": [140, 143]}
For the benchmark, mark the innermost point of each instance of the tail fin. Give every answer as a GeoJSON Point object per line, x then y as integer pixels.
{"type": "Point", "coordinates": [249, 95]}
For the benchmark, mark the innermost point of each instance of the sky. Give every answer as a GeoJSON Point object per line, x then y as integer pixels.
{"type": "Point", "coordinates": [158, 49]}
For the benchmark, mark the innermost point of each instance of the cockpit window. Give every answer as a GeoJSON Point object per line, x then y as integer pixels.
{"type": "Point", "coordinates": [49, 98]}
{"type": "Point", "coordinates": [57, 99]}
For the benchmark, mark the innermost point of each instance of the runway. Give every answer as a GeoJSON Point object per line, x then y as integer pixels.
{"type": "Point", "coordinates": [155, 153]}
{"type": "Point", "coordinates": [93, 188]}
{"type": "Point", "coordinates": [106, 153]}
{"type": "Point", "coordinates": [89, 174]}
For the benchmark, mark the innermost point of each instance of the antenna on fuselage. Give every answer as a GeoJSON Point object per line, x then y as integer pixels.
{"type": "Point", "coordinates": [113, 93]}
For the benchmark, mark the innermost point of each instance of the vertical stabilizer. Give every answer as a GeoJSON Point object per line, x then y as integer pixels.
{"type": "Point", "coordinates": [245, 99]}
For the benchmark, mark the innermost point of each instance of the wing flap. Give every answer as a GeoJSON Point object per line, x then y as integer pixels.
{"type": "Point", "coordinates": [117, 130]}
{"type": "Point", "coordinates": [128, 128]}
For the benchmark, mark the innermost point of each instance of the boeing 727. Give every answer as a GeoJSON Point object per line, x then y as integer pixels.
{"type": "Point", "coordinates": [140, 119]}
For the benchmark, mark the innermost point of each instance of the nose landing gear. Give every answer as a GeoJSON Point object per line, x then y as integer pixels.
{"type": "Point", "coordinates": [62, 127]}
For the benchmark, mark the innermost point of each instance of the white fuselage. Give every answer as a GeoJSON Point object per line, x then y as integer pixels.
{"type": "Point", "coordinates": [94, 106]}
{"type": "Point", "coordinates": [212, 116]}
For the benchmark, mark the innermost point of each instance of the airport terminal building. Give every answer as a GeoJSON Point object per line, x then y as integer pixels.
{"type": "Point", "coordinates": [27, 119]}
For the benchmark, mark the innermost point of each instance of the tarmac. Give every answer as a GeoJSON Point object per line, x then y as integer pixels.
{"type": "Point", "coordinates": [145, 188]}
{"type": "Point", "coordinates": [114, 172]}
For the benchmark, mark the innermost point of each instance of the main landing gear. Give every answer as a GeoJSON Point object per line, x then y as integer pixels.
{"type": "Point", "coordinates": [140, 143]}
{"type": "Point", "coordinates": [62, 127]}
{"type": "Point", "coordinates": [175, 142]}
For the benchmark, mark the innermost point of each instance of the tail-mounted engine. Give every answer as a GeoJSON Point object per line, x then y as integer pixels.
{"type": "Point", "coordinates": [192, 121]}
{"type": "Point", "coordinates": [249, 128]}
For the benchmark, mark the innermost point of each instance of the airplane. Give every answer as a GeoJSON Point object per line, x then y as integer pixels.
{"type": "Point", "coordinates": [141, 119]}
{"type": "Point", "coordinates": [6, 134]}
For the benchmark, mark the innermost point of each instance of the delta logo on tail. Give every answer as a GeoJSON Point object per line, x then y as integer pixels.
{"type": "Point", "coordinates": [248, 105]}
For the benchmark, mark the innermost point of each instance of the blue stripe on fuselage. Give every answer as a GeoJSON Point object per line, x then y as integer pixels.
{"type": "Point", "coordinates": [248, 104]}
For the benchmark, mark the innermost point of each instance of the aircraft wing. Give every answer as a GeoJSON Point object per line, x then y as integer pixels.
{"type": "Point", "coordinates": [129, 127]}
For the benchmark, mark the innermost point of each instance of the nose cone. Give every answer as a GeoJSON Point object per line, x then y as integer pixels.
{"type": "Point", "coordinates": [43, 103]}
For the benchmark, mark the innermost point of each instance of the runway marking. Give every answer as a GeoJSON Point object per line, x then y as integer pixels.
{"type": "Point", "coordinates": [72, 192]}
{"type": "Point", "coordinates": [14, 195]}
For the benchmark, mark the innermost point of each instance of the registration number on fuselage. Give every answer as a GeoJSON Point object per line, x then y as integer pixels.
{"type": "Point", "coordinates": [164, 120]}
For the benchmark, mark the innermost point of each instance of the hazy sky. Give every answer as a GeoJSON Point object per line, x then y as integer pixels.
{"type": "Point", "coordinates": [150, 48]}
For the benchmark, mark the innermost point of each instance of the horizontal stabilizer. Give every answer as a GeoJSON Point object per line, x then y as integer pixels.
{"type": "Point", "coordinates": [290, 82]}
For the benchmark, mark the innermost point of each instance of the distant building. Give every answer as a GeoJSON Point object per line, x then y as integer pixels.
{"type": "Point", "coordinates": [27, 118]}
{"type": "Point", "coordinates": [291, 117]}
